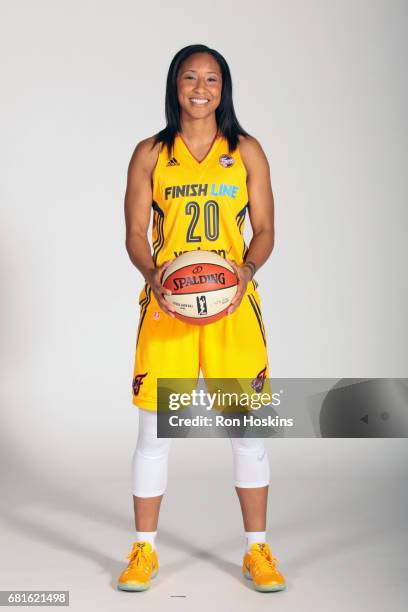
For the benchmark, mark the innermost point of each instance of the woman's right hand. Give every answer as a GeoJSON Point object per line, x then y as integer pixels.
{"type": "Point", "coordinates": [153, 278]}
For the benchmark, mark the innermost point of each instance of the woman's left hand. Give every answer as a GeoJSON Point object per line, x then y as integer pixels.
{"type": "Point", "coordinates": [244, 274]}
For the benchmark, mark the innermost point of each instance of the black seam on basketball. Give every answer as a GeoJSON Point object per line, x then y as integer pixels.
{"type": "Point", "coordinates": [198, 264]}
{"type": "Point", "coordinates": [199, 318]}
{"type": "Point", "coordinates": [203, 291]}
{"type": "Point", "coordinates": [257, 316]}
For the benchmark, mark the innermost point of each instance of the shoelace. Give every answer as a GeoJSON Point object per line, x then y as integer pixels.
{"type": "Point", "coordinates": [139, 558]}
{"type": "Point", "coordinates": [263, 558]}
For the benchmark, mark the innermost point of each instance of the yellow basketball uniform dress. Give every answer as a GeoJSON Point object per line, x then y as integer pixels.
{"type": "Point", "coordinates": [198, 205]}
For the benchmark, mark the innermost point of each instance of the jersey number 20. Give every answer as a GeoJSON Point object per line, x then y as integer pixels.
{"type": "Point", "coordinates": [211, 220]}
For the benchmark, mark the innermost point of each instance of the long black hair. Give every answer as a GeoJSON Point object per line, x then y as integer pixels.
{"type": "Point", "coordinates": [226, 119]}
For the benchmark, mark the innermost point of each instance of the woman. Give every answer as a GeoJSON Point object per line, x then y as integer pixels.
{"type": "Point", "coordinates": [176, 172]}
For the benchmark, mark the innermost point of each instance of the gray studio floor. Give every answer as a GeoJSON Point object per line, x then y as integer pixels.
{"type": "Point", "coordinates": [337, 526]}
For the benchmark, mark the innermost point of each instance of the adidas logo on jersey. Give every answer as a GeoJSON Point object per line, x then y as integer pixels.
{"type": "Point", "coordinates": [173, 162]}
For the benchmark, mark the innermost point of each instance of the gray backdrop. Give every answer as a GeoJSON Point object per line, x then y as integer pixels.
{"type": "Point", "coordinates": [323, 86]}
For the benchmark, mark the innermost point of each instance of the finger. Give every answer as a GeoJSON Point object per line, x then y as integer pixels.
{"type": "Point", "coordinates": [160, 289]}
{"type": "Point", "coordinates": [237, 298]}
{"type": "Point", "coordinates": [233, 264]}
{"type": "Point", "coordinates": [163, 267]}
{"type": "Point", "coordinates": [232, 309]}
{"type": "Point", "coordinates": [235, 305]}
{"type": "Point", "coordinates": [166, 305]}
{"type": "Point", "coordinates": [166, 309]}
{"type": "Point", "coordinates": [163, 289]}
{"type": "Point", "coordinates": [163, 304]}
{"type": "Point", "coordinates": [240, 285]}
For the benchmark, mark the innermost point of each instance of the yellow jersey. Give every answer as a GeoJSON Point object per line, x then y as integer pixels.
{"type": "Point", "coordinates": [199, 204]}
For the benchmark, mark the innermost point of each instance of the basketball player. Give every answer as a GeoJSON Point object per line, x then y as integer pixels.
{"type": "Point", "coordinates": [176, 173]}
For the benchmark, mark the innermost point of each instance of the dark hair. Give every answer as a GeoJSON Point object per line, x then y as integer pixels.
{"type": "Point", "coordinates": [227, 121]}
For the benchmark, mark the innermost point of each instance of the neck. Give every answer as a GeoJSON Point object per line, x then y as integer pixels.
{"type": "Point", "coordinates": [198, 130]}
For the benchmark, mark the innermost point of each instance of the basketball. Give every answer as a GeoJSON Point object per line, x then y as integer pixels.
{"type": "Point", "coordinates": [202, 285]}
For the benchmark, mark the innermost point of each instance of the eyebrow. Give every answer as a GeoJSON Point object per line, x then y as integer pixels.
{"type": "Point", "coordinates": [208, 71]}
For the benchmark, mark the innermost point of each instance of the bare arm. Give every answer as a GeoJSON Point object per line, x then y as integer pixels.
{"type": "Point", "coordinates": [261, 214]}
{"type": "Point", "coordinates": [138, 206]}
{"type": "Point", "coordinates": [261, 204]}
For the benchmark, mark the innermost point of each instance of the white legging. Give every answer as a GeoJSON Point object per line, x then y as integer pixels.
{"type": "Point", "coordinates": [150, 460]}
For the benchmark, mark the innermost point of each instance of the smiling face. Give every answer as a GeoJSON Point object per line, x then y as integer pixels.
{"type": "Point", "coordinates": [199, 84]}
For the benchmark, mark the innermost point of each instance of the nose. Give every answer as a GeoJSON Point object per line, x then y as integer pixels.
{"type": "Point", "coordinates": [200, 84]}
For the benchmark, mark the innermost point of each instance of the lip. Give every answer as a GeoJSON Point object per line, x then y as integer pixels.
{"type": "Point", "coordinates": [200, 101]}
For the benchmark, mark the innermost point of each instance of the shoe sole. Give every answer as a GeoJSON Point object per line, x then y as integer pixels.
{"type": "Point", "coordinates": [136, 586]}
{"type": "Point", "coordinates": [265, 588]}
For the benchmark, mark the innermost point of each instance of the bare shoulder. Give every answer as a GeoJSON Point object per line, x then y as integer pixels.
{"type": "Point", "coordinates": [250, 149]}
{"type": "Point", "coordinates": [145, 155]}
{"type": "Point", "coordinates": [252, 153]}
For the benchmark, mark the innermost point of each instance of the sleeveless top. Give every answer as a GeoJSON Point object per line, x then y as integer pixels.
{"type": "Point", "coordinates": [199, 204]}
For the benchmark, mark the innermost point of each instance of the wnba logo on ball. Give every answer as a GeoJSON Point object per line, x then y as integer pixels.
{"type": "Point", "coordinates": [201, 305]}
{"type": "Point", "coordinates": [202, 285]}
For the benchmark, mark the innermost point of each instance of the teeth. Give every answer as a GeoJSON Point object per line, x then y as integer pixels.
{"type": "Point", "coordinates": [198, 101]}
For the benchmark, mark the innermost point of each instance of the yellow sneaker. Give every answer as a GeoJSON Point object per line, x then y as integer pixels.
{"type": "Point", "coordinates": [143, 565]}
{"type": "Point", "coordinates": [259, 565]}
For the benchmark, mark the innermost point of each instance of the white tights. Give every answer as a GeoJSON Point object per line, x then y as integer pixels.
{"type": "Point", "coordinates": [150, 460]}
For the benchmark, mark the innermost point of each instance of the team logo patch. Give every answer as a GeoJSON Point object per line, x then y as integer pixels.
{"type": "Point", "coordinates": [156, 315]}
{"type": "Point", "coordinates": [226, 161]}
{"type": "Point", "coordinates": [137, 383]}
{"type": "Point", "coordinates": [258, 383]}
